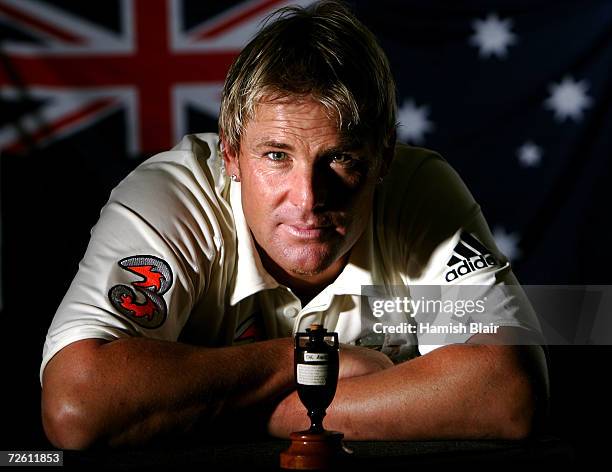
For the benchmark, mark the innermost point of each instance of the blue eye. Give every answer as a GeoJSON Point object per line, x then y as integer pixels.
{"type": "Point", "coordinates": [276, 155]}
{"type": "Point", "coordinates": [344, 160]}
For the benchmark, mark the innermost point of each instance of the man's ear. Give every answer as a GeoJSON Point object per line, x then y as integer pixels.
{"type": "Point", "coordinates": [230, 158]}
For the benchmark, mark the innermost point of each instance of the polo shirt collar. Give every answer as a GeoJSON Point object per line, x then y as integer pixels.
{"type": "Point", "coordinates": [360, 267]}
{"type": "Point", "coordinates": [251, 277]}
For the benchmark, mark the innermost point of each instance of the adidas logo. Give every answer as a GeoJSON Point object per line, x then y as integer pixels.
{"type": "Point", "coordinates": [468, 256]}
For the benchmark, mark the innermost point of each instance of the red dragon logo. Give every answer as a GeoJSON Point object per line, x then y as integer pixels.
{"type": "Point", "coordinates": [144, 303]}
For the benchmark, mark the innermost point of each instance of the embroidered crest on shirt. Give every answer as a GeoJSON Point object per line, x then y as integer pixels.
{"type": "Point", "coordinates": [250, 330]}
{"type": "Point", "coordinates": [143, 301]}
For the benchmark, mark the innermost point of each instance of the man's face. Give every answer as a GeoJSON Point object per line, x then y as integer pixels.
{"type": "Point", "coordinates": [306, 193]}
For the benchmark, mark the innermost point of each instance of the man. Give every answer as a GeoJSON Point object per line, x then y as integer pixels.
{"type": "Point", "coordinates": [303, 200]}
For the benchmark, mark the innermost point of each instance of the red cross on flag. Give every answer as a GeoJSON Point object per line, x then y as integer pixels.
{"type": "Point", "coordinates": [153, 64]}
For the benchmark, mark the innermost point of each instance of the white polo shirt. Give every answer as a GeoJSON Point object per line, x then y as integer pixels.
{"type": "Point", "coordinates": [172, 258]}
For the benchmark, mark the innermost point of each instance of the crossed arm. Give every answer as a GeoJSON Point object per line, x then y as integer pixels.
{"type": "Point", "coordinates": [131, 391]}
{"type": "Point", "coordinates": [459, 391]}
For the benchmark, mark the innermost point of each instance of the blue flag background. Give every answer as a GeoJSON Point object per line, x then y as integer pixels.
{"type": "Point", "coordinates": [517, 96]}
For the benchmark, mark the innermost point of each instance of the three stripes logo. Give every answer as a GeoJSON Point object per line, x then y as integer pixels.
{"type": "Point", "coordinates": [468, 256]}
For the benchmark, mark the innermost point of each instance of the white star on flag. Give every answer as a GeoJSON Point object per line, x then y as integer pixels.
{"type": "Point", "coordinates": [529, 154]}
{"type": "Point", "coordinates": [568, 99]}
{"type": "Point", "coordinates": [413, 122]}
{"type": "Point", "coordinates": [492, 36]}
{"type": "Point", "coordinates": [507, 243]}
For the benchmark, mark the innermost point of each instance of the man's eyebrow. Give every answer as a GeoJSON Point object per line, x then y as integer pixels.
{"type": "Point", "coordinates": [274, 144]}
{"type": "Point", "coordinates": [341, 148]}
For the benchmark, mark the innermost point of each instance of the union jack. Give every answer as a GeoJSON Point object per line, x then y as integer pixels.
{"type": "Point", "coordinates": [152, 67]}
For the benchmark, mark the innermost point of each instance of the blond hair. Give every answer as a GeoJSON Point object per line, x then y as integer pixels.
{"type": "Point", "coordinates": [321, 51]}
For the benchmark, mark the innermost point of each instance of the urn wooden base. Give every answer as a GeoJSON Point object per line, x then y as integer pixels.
{"type": "Point", "coordinates": [313, 451]}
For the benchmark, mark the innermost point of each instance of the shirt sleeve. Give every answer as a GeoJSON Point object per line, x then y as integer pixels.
{"type": "Point", "coordinates": [452, 265]}
{"type": "Point", "coordinates": [472, 290]}
{"type": "Point", "coordinates": [147, 261]}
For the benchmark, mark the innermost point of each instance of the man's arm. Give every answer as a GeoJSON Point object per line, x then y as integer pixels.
{"type": "Point", "coordinates": [458, 391]}
{"type": "Point", "coordinates": [130, 390]}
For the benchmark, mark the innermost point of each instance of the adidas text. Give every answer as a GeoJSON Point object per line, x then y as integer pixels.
{"type": "Point", "coordinates": [470, 265]}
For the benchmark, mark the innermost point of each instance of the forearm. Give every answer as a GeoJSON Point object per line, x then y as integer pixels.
{"type": "Point", "coordinates": [131, 390]}
{"type": "Point", "coordinates": [460, 391]}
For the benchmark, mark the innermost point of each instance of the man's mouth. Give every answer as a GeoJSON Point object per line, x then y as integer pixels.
{"type": "Point", "coordinates": [308, 231]}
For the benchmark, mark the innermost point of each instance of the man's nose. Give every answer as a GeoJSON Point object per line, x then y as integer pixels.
{"type": "Point", "coordinates": [309, 188]}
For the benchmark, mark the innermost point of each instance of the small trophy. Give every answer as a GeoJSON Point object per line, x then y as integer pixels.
{"type": "Point", "coordinates": [316, 366]}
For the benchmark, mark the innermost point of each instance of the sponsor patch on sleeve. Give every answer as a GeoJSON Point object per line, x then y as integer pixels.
{"type": "Point", "coordinates": [142, 301]}
{"type": "Point", "coordinates": [469, 255]}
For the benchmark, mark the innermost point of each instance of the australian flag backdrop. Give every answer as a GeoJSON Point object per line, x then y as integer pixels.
{"type": "Point", "coordinates": [516, 95]}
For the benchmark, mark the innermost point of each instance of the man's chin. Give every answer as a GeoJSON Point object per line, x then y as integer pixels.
{"type": "Point", "coordinates": [306, 268]}
{"type": "Point", "coordinates": [307, 271]}
{"type": "Point", "coordinates": [309, 262]}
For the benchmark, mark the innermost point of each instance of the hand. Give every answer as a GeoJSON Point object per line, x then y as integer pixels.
{"type": "Point", "coordinates": [357, 360]}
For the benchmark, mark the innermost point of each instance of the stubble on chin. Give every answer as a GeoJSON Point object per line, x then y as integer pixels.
{"type": "Point", "coordinates": [308, 260]}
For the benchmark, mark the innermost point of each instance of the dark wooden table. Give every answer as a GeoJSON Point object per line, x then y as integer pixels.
{"type": "Point", "coordinates": [368, 455]}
